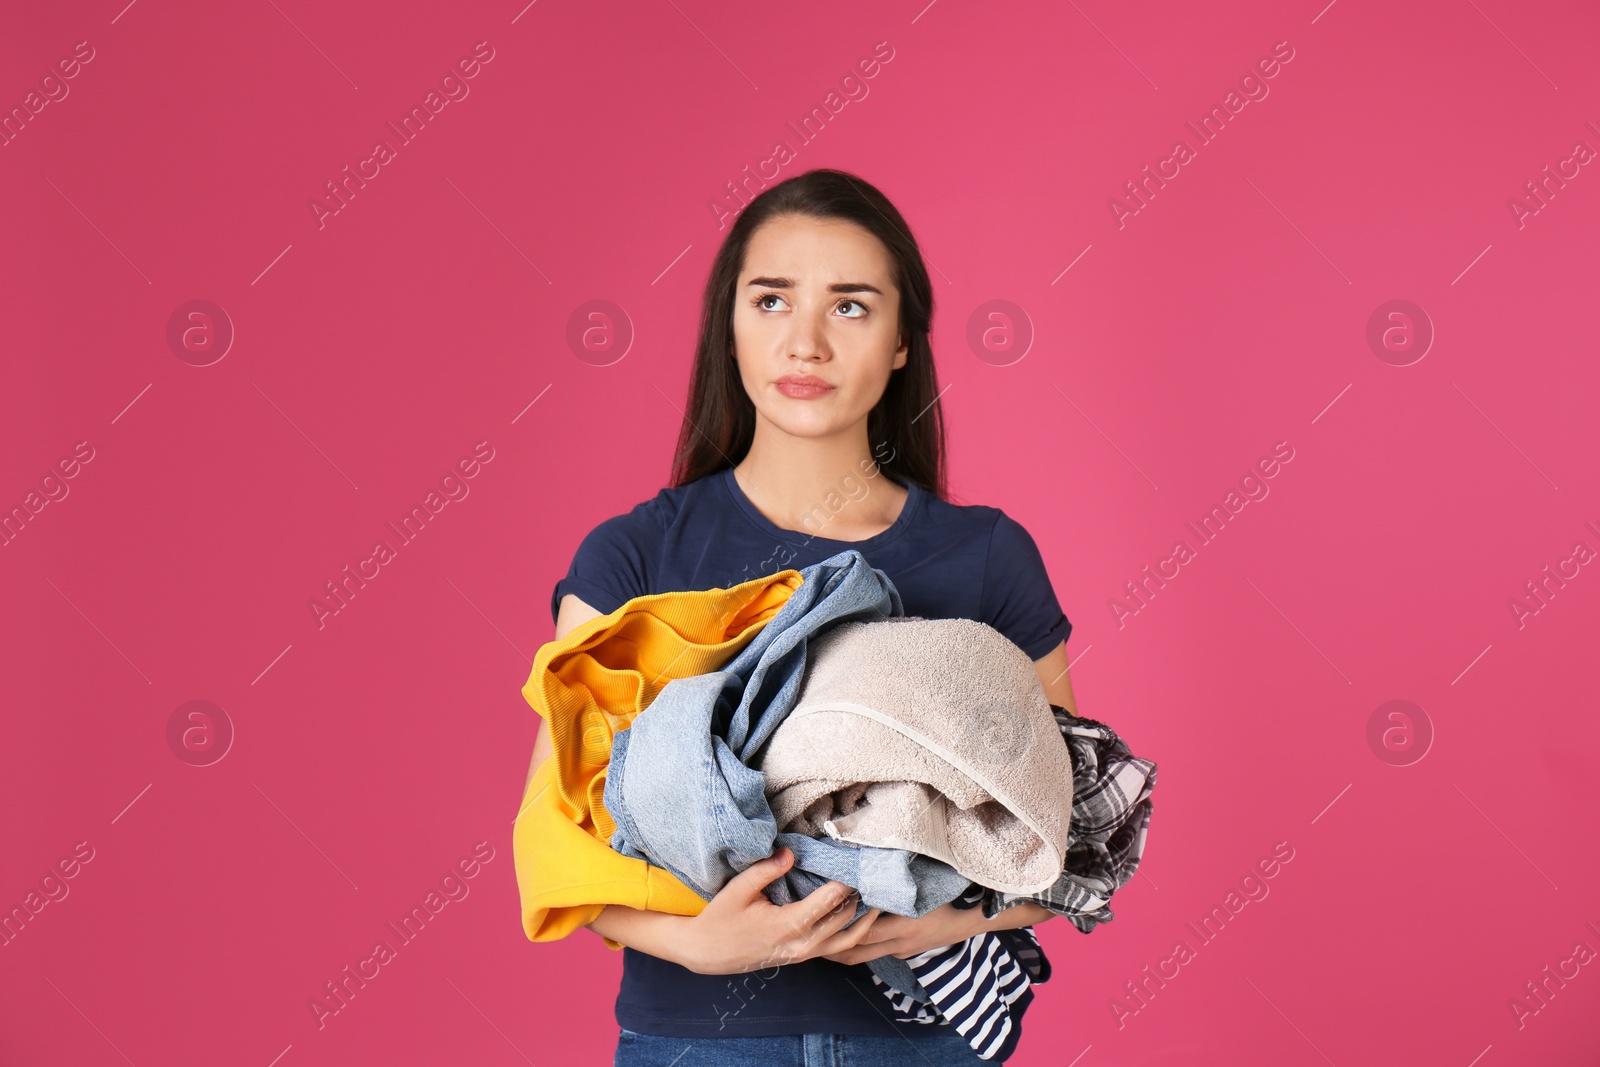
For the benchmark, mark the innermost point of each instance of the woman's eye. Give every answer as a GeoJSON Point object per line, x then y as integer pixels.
{"type": "Point", "coordinates": [761, 301]}
{"type": "Point", "coordinates": [858, 304]}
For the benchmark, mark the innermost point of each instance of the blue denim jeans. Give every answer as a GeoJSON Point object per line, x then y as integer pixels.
{"type": "Point", "coordinates": [795, 1050]}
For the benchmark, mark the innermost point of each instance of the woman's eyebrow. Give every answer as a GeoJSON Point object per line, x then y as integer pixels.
{"type": "Point", "coordinates": [837, 287]}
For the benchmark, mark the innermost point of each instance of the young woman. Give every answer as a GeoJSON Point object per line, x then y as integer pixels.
{"type": "Point", "coordinates": [813, 426]}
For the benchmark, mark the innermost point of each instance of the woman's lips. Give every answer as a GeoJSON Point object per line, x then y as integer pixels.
{"type": "Point", "coordinates": [803, 390]}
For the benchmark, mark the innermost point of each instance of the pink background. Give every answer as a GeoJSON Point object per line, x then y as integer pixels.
{"type": "Point", "coordinates": [375, 351]}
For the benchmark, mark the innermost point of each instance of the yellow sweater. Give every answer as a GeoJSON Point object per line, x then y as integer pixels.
{"type": "Point", "coordinates": [587, 686]}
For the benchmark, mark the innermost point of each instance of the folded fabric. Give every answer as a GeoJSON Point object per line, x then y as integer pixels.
{"type": "Point", "coordinates": [932, 735]}
{"type": "Point", "coordinates": [1111, 807]}
{"type": "Point", "coordinates": [587, 686]}
{"type": "Point", "coordinates": [685, 797]}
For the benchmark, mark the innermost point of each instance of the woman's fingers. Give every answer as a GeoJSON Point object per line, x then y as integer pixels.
{"type": "Point", "coordinates": [748, 884]}
{"type": "Point", "coordinates": [843, 940]}
{"type": "Point", "coordinates": [835, 920]}
{"type": "Point", "coordinates": [827, 927]}
{"type": "Point", "coordinates": [819, 906]}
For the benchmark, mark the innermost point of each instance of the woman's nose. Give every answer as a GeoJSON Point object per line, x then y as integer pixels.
{"type": "Point", "coordinates": [808, 341]}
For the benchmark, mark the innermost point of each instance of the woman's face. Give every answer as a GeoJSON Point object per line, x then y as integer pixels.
{"type": "Point", "coordinates": [815, 300]}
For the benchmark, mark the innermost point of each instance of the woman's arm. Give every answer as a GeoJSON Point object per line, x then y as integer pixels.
{"type": "Point", "coordinates": [740, 930]}
{"type": "Point", "coordinates": [1017, 915]}
{"type": "Point", "coordinates": [1058, 688]}
{"type": "Point", "coordinates": [573, 613]}
{"type": "Point", "coordinates": [899, 936]}
{"type": "Point", "coordinates": [658, 933]}
{"type": "Point", "coordinates": [1057, 684]}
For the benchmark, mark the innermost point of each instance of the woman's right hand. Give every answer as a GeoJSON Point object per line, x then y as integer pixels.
{"type": "Point", "coordinates": [741, 930]}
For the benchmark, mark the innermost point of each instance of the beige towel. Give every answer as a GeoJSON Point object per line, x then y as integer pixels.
{"type": "Point", "coordinates": [933, 735]}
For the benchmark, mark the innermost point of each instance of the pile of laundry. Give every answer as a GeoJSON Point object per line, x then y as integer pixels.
{"type": "Point", "coordinates": [916, 760]}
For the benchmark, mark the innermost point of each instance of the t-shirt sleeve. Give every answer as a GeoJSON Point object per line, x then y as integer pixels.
{"type": "Point", "coordinates": [613, 563]}
{"type": "Point", "coordinates": [1018, 599]}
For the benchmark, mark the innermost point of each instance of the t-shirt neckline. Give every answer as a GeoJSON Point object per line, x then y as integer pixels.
{"type": "Point", "coordinates": [914, 501]}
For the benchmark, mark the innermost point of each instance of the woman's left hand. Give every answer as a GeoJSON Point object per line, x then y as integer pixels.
{"type": "Point", "coordinates": [898, 936]}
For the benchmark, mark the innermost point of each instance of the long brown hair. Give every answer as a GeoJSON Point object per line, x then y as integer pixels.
{"type": "Point", "coordinates": [905, 429]}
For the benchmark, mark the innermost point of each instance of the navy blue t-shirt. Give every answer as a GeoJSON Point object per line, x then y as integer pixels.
{"type": "Point", "coordinates": [948, 561]}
